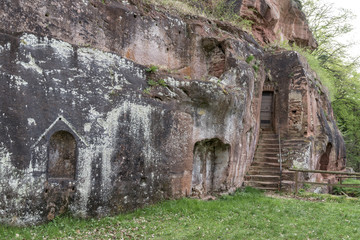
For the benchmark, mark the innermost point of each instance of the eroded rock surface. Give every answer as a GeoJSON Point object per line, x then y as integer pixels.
{"type": "Point", "coordinates": [87, 128]}
{"type": "Point", "coordinates": [278, 20]}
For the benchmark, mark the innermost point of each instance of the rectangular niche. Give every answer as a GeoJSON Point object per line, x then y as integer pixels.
{"type": "Point", "coordinates": [210, 167]}
{"type": "Point", "coordinates": [62, 156]}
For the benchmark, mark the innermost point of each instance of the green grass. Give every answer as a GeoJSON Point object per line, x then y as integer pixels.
{"type": "Point", "coordinates": [247, 214]}
{"type": "Point", "coordinates": [350, 191]}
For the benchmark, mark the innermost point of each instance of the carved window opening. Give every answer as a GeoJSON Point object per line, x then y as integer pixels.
{"type": "Point", "coordinates": [62, 156]}
{"type": "Point", "coordinates": [210, 167]}
{"type": "Point", "coordinates": [266, 113]}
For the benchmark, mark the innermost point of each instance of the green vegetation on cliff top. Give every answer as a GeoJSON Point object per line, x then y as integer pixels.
{"type": "Point", "coordinates": [247, 214]}
{"type": "Point", "coordinates": [223, 10]}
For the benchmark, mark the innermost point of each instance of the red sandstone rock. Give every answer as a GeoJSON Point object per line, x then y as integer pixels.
{"type": "Point", "coordinates": [79, 66]}
{"type": "Point", "coordinates": [278, 20]}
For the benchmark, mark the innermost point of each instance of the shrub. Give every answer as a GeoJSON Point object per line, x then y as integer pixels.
{"type": "Point", "coordinates": [249, 58]}
{"type": "Point", "coordinates": [152, 69]}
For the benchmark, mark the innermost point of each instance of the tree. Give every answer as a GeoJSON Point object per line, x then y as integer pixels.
{"type": "Point", "coordinates": [327, 25]}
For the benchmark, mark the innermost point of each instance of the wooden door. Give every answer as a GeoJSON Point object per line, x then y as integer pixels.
{"type": "Point", "coordinates": [266, 114]}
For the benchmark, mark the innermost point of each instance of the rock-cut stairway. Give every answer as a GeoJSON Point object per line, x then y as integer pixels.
{"type": "Point", "coordinates": [264, 172]}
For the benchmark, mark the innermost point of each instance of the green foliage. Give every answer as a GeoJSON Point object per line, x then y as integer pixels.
{"type": "Point", "coordinates": [256, 63]}
{"type": "Point", "coordinates": [350, 191]}
{"type": "Point", "coordinates": [224, 10]}
{"type": "Point", "coordinates": [152, 83]}
{"type": "Point", "coordinates": [147, 90]}
{"type": "Point", "coordinates": [162, 83]}
{"type": "Point", "coordinates": [152, 69]}
{"type": "Point", "coordinates": [249, 58]}
{"type": "Point", "coordinates": [246, 214]}
{"type": "Point", "coordinates": [327, 25]}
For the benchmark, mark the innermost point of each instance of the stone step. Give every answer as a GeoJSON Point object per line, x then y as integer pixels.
{"type": "Point", "coordinates": [258, 167]}
{"type": "Point", "coordinates": [263, 178]}
{"type": "Point", "coordinates": [270, 137]}
{"type": "Point", "coordinates": [268, 141]}
{"type": "Point", "coordinates": [294, 141]}
{"type": "Point", "coordinates": [266, 164]}
{"type": "Point", "coordinates": [268, 188]}
{"type": "Point", "coordinates": [268, 148]}
{"type": "Point", "coordinates": [260, 170]}
{"type": "Point", "coordinates": [273, 145]}
{"type": "Point", "coordinates": [297, 145]}
{"type": "Point", "coordinates": [254, 170]}
{"type": "Point", "coordinates": [264, 172]}
{"type": "Point", "coordinates": [264, 133]}
{"type": "Point", "coordinates": [285, 185]}
{"type": "Point", "coordinates": [266, 154]}
{"type": "Point", "coordinates": [287, 175]}
{"type": "Point", "coordinates": [259, 184]}
{"type": "Point", "coordinates": [266, 159]}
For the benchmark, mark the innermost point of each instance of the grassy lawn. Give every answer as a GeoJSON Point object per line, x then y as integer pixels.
{"type": "Point", "coordinates": [247, 214]}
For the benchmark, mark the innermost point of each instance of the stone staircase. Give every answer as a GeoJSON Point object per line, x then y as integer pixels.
{"type": "Point", "coordinates": [264, 172]}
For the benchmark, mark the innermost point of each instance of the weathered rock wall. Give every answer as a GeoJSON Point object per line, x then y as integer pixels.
{"type": "Point", "coordinates": [133, 148]}
{"type": "Point", "coordinates": [278, 20]}
{"type": "Point", "coordinates": [272, 21]}
{"type": "Point", "coordinates": [82, 128]}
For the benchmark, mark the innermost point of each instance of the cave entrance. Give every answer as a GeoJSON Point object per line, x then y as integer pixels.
{"type": "Point", "coordinates": [266, 112]}
{"type": "Point", "coordinates": [324, 159]}
{"type": "Point", "coordinates": [210, 167]}
{"type": "Point", "coordinates": [62, 156]}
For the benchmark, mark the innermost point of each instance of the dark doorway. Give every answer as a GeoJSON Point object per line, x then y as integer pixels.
{"type": "Point", "coordinates": [62, 156]}
{"type": "Point", "coordinates": [210, 166]}
{"type": "Point", "coordinates": [325, 157]}
{"type": "Point", "coordinates": [266, 113]}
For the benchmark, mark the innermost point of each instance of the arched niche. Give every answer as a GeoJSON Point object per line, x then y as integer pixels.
{"type": "Point", "coordinates": [62, 156]}
{"type": "Point", "coordinates": [325, 158]}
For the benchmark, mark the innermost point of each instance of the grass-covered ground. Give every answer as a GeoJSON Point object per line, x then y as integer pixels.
{"type": "Point", "coordinates": [247, 214]}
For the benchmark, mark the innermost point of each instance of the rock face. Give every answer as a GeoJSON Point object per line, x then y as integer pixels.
{"type": "Point", "coordinates": [310, 137]}
{"type": "Point", "coordinates": [278, 20]}
{"type": "Point", "coordinates": [87, 127]}
{"type": "Point", "coordinates": [273, 21]}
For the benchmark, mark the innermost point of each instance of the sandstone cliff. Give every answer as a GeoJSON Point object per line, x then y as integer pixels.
{"type": "Point", "coordinates": [87, 125]}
